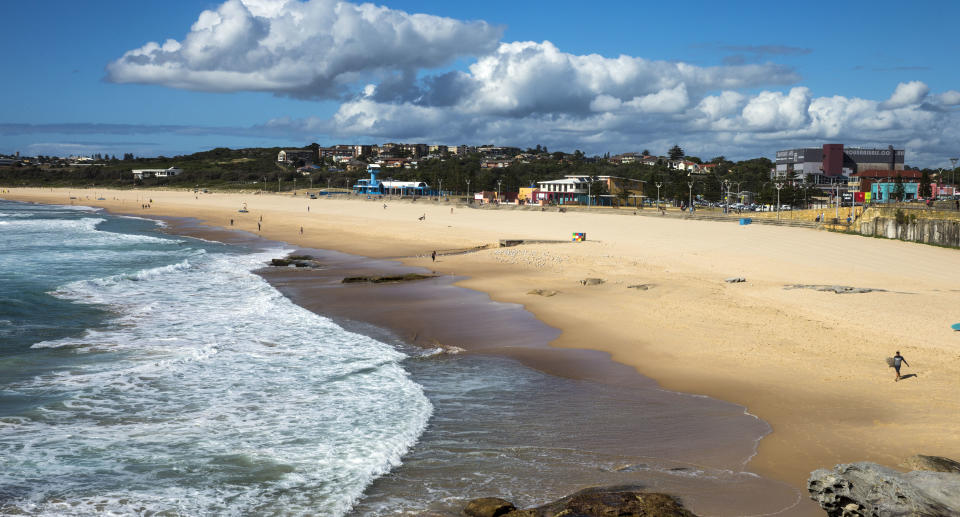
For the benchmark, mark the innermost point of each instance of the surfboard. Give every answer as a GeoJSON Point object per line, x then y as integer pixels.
{"type": "Point", "coordinates": [890, 362]}
{"type": "Point", "coordinates": [955, 326]}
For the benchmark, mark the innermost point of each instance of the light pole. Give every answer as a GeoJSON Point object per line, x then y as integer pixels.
{"type": "Point", "coordinates": [294, 186]}
{"type": "Point", "coordinates": [469, 195]}
{"type": "Point", "coordinates": [726, 200]}
{"type": "Point", "coordinates": [441, 188]}
{"type": "Point", "coordinates": [498, 191]}
{"type": "Point", "coordinates": [589, 198]}
{"type": "Point", "coordinates": [659, 184]}
{"type": "Point", "coordinates": [690, 184]}
{"type": "Point", "coordinates": [779, 186]}
{"type": "Point", "coordinates": [953, 170]}
{"type": "Point", "coordinates": [311, 182]}
{"type": "Point", "coordinates": [264, 187]}
{"type": "Point", "coordinates": [278, 183]}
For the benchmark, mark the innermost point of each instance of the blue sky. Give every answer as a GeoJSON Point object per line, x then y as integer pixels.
{"type": "Point", "coordinates": [740, 79]}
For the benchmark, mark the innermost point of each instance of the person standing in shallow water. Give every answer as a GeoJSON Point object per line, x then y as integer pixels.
{"type": "Point", "coordinates": [897, 359]}
{"type": "Point", "coordinates": [433, 256]}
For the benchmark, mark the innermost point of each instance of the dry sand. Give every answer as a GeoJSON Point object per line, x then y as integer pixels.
{"type": "Point", "coordinates": [810, 363]}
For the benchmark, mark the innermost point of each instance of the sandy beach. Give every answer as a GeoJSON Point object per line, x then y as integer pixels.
{"type": "Point", "coordinates": [810, 363]}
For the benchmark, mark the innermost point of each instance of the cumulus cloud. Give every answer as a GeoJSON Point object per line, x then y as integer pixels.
{"type": "Point", "coordinates": [382, 64]}
{"type": "Point", "coordinates": [906, 94]}
{"type": "Point", "coordinates": [312, 49]}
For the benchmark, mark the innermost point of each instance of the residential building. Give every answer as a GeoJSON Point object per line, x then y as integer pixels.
{"type": "Point", "coordinates": [294, 155]}
{"type": "Point", "coordinates": [156, 173]}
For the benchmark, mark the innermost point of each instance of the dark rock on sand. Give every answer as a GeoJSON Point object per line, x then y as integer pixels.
{"type": "Point", "coordinates": [869, 490]}
{"type": "Point", "coordinates": [488, 507]}
{"type": "Point", "coordinates": [735, 280]}
{"type": "Point", "coordinates": [543, 292]}
{"type": "Point", "coordinates": [295, 261]}
{"type": "Point", "coordinates": [641, 287]}
{"type": "Point", "coordinates": [603, 501]}
{"type": "Point", "coordinates": [932, 463]}
{"type": "Point", "coordinates": [591, 281]}
{"type": "Point", "coordinates": [409, 277]}
{"type": "Point", "coordinates": [838, 289]}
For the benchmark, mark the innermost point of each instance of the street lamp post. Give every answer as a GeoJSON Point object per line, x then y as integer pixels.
{"type": "Point", "coordinates": [953, 170]}
{"type": "Point", "coordinates": [726, 199]}
{"type": "Point", "coordinates": [498, 191]}
{"type": "Point", "coordinates": [469, 195]}
{"type": "Point", "coordinates": [779, 186]}
{"type": "Point", "coordinates": [441, 188]}
{"type": "Point", "coordinates": [278, 183]}
{"type": "Point", "coordinates": [264, 187]}
{"type": "Point", "coordinates": [659, 184]}
{"type": "Point", "coordinates": [690, 184]}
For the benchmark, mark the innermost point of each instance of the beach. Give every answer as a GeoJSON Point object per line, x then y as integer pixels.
{"type": "Point", "coordinates": [810, 363]}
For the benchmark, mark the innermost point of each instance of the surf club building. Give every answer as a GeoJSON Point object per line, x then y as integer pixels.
{"type": "Point", "coordinates": [373, 186]}
{"type": "Point", "coordinates": [578, 190]}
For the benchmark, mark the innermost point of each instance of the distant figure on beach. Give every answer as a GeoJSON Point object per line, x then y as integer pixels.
{"type": "Point", "coordinates": [258, 226]}
{"type": "Point", "coordinates": [433, 256]}
{"type": "Point", "coordinates": [897, 359]}
{"type": "Point", "coordinates": [261, 218]}
{"type": "Point", "coordinates": [384, 206]}
{"type": "Point", "coordinates": [451, 210]}
{"type": "Point", "coordinates": [231, 222]}
{"type": "Point", "coordinates": [308, 208]}
{"type": "Point", "coordinates": [301, 230]}
{"type": "Point", "coordinates": [422, 217]}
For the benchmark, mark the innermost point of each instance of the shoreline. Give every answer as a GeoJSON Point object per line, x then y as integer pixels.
{"type": "Point", "coordinates": [809, 363]}
{"type": "Point", "coordinates": [391, 312]}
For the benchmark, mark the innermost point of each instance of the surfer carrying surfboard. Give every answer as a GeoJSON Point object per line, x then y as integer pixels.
{"type": "Point", "coordinates": [897, 359]}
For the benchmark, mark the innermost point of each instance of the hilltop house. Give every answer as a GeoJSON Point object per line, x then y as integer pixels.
{"type": "Point", "coordinates": [139, 174]}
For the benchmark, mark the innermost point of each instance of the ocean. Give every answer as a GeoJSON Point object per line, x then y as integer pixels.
{"type": "Point", "coordinates": [143, 372]}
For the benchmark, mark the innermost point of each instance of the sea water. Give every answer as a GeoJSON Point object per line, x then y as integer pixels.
{"type": "Point", "coordinates": [141, 373]}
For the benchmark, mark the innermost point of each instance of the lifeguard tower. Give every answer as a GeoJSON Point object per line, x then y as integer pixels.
{"type": "Point", "coordinates": [372, 185]}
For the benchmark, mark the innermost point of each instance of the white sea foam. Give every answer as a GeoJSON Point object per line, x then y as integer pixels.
{"type": "Point", "coordinates": [210, 393]}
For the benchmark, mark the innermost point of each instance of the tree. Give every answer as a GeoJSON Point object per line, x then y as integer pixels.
{"type": "Point", "coordinates": [898, 191]}
{"type": "Point", "coordinates": [675, 152]}
{"type": "Point", "coordinates": [925, 191]}
{"type": "Point", "coordinates": [645, 152]}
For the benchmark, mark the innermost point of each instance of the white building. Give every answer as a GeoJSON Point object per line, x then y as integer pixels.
{"type": "Point", "coordinates": [156, 173]}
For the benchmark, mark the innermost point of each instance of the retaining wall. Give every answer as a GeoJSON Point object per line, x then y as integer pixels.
{"type": "Point", "coordinates": [929, 231]}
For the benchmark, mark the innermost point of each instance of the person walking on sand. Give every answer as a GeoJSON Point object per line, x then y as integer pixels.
{"type": "Point", "coordinates": [433, 256]}
{"type": "Point", "coordinates": [301, 230]}
{"type": "Point", "coordinates": [897, 359]}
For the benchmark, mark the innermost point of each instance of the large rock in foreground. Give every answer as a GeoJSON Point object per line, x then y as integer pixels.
{"type": "Point", "coordinates": [869, 490]}
{"type": "Point", "coordinates": [591, 502]}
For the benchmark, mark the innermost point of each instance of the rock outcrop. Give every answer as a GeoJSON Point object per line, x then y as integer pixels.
{"type": "Point", "coordinates": [627, 501]}
{"type": "Point", "coordinates": [837, 289]}
{"type": "Point", "coordinates": [296, 261]}
{"type": "Point", "coordinates": [870, 490]}
{"type": "Point", "coordinates": [409, 277]}
{"type": "Point", "coordinates": [591, 281]}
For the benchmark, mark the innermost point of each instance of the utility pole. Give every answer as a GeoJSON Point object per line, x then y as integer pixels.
{"type": "Point", "coordinates": [690, 184]}
{"type": "Point", "coordinates": [441, 188]}
{"type": "Point", "coordinates": [468, 191]}
{"type": "Point", "coordinates": [278, 183]}
{"type": "Point", "coordinates": [659, 184]}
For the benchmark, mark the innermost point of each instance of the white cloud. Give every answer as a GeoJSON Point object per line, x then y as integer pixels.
{"type": "Point", "coordinates": [906, 94]}
{"type": "Point", "coordinates": [520, 93]}
{"type": "Point", "coordinates": [307, 49]}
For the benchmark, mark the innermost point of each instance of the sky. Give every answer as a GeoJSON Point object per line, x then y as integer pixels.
{"type": "Point", "coordinates": [738, 79]}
